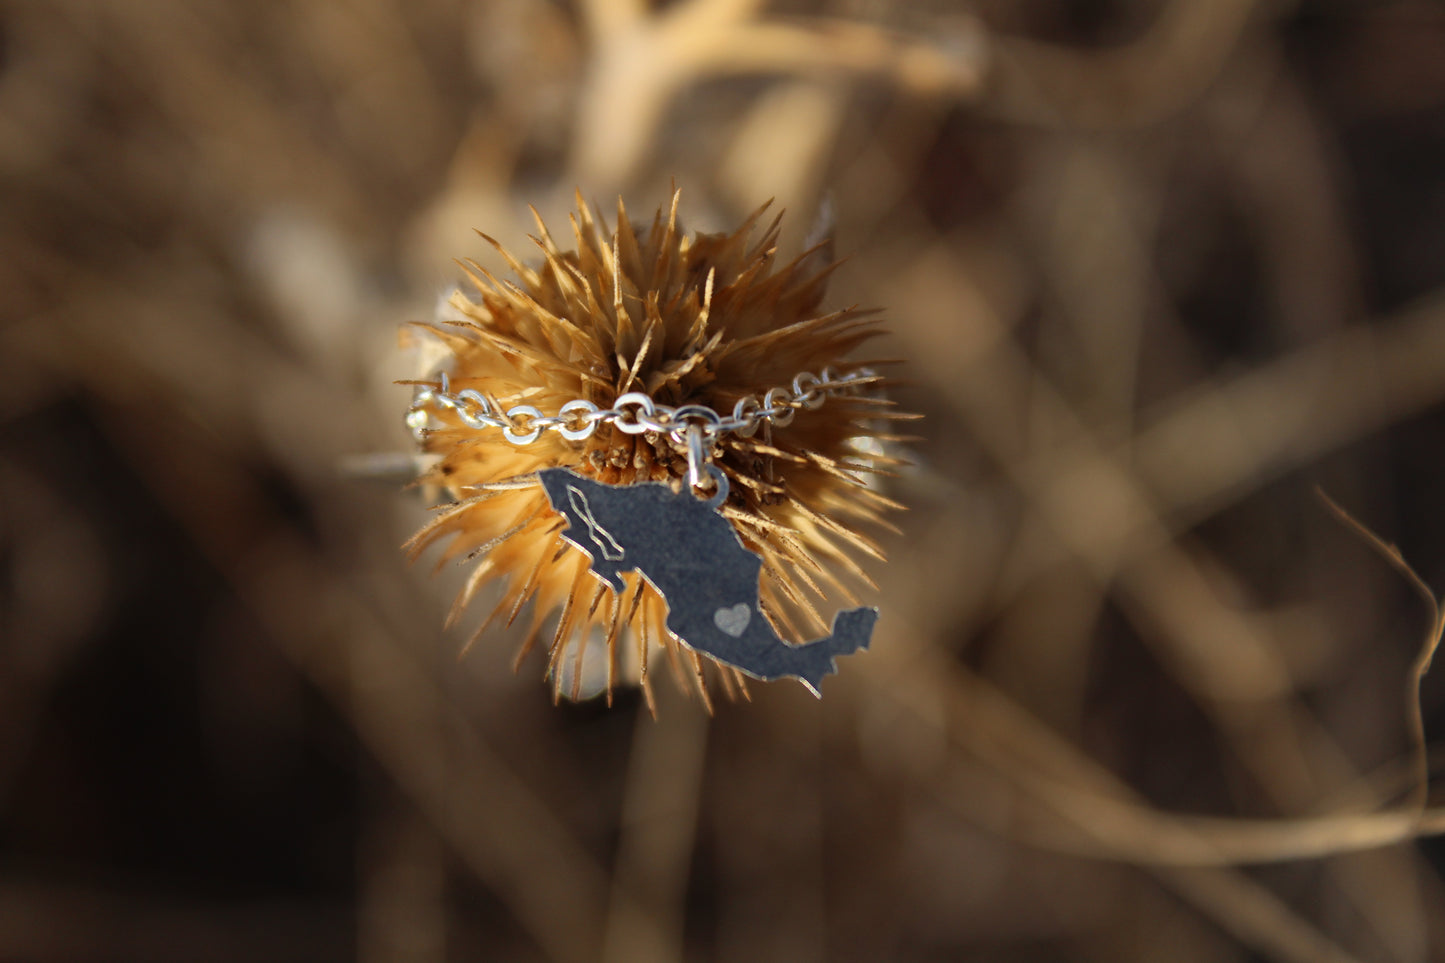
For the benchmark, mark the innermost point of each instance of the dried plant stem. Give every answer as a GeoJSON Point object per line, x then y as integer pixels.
{"type": "Point", "coordinates": [641, 64]}
{"type": "Point", "coordinates": [1094, 814]}
{"type": "Point", "coordinates": [1136, 83]}
{"type": "Point", "coordinates": [659, 823]}
{"type": "Point", "coordinates": [1078, 807]}
{"type": "Point", "coordinates": [1101, 514]}
{"type": "Point", "coordinates": [1420, 750]}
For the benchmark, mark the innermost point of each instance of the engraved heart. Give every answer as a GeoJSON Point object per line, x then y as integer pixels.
{"type": "Point", "coordinates": [733, 621]}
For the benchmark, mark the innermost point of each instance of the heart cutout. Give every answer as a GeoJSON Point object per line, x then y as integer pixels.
{"type": "Point", "coordinates": [733, 621]}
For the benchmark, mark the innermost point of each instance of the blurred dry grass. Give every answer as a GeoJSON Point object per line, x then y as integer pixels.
{"type": "Point", "coordinates": [1159, 268]}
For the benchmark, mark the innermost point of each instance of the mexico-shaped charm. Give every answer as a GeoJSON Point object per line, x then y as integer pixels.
{"type": "Point", "coordinates": [683, 546]}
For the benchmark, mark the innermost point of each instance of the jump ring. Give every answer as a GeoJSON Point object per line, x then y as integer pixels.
{"type": "Point", "coordinates": [721, 481]}
{"type": "Point", "coordinates": [478, 419]}
{"type": "Point", "coordinates": [588, 427]}
{"type": "Point", "coordinates": [808, 391]}
{"type": "Point", "coordinates": [698, 413]}
{"type": "Point", "coordinates": [522, 411]}
{"type": "Point", "coordinates": [745, 412]}
{"type": "Point", "coordinates": [660, 422]}
{"type": "Point", "coordinates": [695, 416]}
{"type": "Point", "coordinates": [644, 405]}
{"type": "Point", "coordinates": [779, 402]}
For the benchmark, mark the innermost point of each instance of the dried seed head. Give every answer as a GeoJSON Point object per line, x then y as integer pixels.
{"type": "Point", "coordinates": [707, 320]}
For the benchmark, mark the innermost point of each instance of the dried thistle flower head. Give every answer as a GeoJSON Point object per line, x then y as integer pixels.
{"type": "Point", "coordinates": [708, 320]}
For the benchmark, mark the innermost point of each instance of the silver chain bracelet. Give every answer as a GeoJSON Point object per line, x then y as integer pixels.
{"type": "Point", "coordinates": [635, 413]}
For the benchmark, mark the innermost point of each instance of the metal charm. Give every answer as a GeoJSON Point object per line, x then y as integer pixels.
{"type": "Point", "coordinates": [687, 551]}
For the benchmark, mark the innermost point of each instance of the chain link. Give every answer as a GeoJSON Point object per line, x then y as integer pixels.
{"type": "Point", "coordinates": [636, 413]}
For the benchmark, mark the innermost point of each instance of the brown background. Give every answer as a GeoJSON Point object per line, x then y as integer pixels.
{"type": "Point", "coordinates": [1158, 269]}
